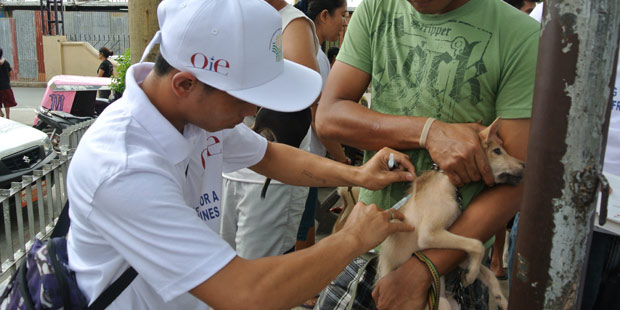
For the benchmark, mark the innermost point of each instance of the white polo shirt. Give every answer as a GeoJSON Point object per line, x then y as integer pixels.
{"type": "Point", "coordinates": [141, 193]}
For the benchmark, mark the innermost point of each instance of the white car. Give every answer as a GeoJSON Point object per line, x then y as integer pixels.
{"type": "Point", "coordinates": [22, 150]}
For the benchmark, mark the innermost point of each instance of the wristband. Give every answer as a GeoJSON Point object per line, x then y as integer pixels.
{"type": "Point", "coordinates": [435, 290]}
{"type": "Point", "coordinates": [425, 130]}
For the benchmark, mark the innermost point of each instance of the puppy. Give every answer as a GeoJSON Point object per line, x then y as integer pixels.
{"type": "Point", "coordinates": [282, 127]}
{"type": "Point", "coordinates": [434, 206]}
{"type": "Point", "coordinates": [349, 196]}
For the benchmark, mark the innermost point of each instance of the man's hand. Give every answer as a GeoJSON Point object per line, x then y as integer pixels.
{"type": "Point", "coordinates": [376, 173]}
{"type": "Point", "coordinates": [456, 149]}
{"type": "Point", "coordinates": [404, 288]}
{"type": "Point", "coordinates": [368, 225]}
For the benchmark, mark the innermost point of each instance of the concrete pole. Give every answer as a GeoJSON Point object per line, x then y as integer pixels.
{"type": "Point", "coordinates": [142, 27]}
{"type": "Point", "coordinates": [574, 86]}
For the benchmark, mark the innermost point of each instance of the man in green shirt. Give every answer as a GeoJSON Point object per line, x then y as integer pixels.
{"type": "Point", "coordinates": [459, 62]}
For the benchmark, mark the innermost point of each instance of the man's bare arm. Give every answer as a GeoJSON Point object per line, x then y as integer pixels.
{"type": "Point", "coordinates": [281, 282]}
{"type": "Point", "coordinates": [296, 167]}
{"type": "Point", "coordinates": [454, 147]}
{"type": "Point", "coordinates": [341, 118]}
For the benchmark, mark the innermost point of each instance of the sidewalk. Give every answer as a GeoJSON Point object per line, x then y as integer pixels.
{"type": "Point", "coordinates": [28, 84]}
{"type": "Point", "coordinates": [28, 99]}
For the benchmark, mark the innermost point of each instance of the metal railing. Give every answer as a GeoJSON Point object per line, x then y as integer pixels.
{"type": "Point", "coordinates": [44, 193]}
{"type": "Point", "coordinates": [117, 43]}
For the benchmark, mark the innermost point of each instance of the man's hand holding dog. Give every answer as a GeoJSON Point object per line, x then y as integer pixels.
{"type": "Point", "coordinates": [456, 149]}
{"type": "Point", "coordinates": [404, 288]}
{"type": "Point", "coordinates": [377, 174]}
{"type": "Point", "coordinates": [368, 225]}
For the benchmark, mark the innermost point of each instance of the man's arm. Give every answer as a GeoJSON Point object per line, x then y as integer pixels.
{"type": "Point", "coordinates": [454, 147]}
{"type": "Point", "coordinates": [296, 167]}
{"type": "Point", "coordinates": [333, 147]}
{"type": "Point", "coordinates": [281, 282]}
{"type": "Point", "coordinates": [487, 213]}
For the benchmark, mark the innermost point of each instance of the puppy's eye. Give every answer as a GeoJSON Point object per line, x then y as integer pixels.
{"type": "Point", "coordinates": [497, 151]}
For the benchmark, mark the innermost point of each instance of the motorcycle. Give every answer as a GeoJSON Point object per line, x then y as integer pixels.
{"type": "Point", "coordinates": [68, 100]}
{"type": "Point", "coordinates": [54, 122]}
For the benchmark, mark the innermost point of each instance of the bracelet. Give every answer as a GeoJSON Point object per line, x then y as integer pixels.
{"type": "Point", "coordinates": [434, 291]}
{"type": "Point", "coordinates": [425, 130]}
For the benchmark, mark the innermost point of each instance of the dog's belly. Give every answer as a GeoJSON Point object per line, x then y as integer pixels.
{"type": "Point", "coordinates": [428, 211]}
{"type": "Point", "coordinates": [396, 250]}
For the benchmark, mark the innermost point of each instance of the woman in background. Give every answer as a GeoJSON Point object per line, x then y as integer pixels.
{"type": "Point", "coordinates": [7, 99]}
{"type": "Point", "coordinates": [105, 68]}
{"type": "Point", "coordinates": [329, 18]}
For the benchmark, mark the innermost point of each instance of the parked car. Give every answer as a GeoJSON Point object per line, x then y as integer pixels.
{"type": "Point", "coordinates": [22, 150]}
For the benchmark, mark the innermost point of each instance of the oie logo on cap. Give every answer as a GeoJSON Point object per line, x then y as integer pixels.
{"type": "Point", "coordinates": [276, 44]}
{"type": "Point", "coordinates": [201, 61]}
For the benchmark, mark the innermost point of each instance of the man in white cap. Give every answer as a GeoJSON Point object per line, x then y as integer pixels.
{"type": "Point", "coordinates": [145, 181]}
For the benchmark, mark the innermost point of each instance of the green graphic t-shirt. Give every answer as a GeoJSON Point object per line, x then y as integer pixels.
{"type": "Point", "coordinates": [474, 63]}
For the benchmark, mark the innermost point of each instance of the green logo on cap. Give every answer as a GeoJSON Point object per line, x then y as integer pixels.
{"type": "Point", "coordinates": [276, 46]}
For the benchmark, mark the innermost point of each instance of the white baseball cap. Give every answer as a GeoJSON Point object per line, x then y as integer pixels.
{"type": "Point", "coordinates": [234, 46]}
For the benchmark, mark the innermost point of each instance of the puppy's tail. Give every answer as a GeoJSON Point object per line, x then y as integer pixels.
{"type": "Point", "coordinates": [263, 191]}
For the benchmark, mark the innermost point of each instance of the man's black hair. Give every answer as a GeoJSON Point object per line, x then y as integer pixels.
{"type": "Point", "coordinates": [519, 3]}
{"type": "Point", "coordinates": [106, 52]}
{"type": "Point", "coordinates": [315, 7]}
{"type": "Point", "coordinates": [162, 67]}
{"type": "Point", "coordinates": [1, 53]}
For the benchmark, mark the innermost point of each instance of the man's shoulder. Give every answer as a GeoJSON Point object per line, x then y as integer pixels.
{"type": "Point", "coordinates": [115, 149]}
{"type": "Point", "coordinates": [511, 18]}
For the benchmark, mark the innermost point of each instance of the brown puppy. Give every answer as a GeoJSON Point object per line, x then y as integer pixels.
{"type": "Point", "coordinates": [349, 196]}
{"type": "Point", "coordinates": [434, 206]}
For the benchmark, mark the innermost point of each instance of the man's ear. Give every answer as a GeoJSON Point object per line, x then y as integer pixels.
{"type": "Point", "coordinates": [183, 83]}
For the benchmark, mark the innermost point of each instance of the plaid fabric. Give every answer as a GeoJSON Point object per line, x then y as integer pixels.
{"type": "Point", "coordinates": [338, 294]}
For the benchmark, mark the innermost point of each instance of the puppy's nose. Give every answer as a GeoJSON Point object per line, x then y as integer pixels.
{"type": "Point", "coordinates": [523, 165]}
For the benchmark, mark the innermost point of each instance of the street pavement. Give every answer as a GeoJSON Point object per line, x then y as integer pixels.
{"type": "Point", "coordinates": [28, 99]}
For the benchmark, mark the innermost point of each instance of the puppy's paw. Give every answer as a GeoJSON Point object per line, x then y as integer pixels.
{"type": "Point", "coordinates": [469, 277]}
{"type": "Point", "coordinates": [501, 301]}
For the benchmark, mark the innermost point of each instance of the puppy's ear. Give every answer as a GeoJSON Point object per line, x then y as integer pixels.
{"type": "Point", "coordinates": [490, 133]}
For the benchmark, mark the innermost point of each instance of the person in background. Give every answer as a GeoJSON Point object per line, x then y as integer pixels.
{"type": "Point", "coordinates": [257, 227]}
{"type": "Point", "coordinates": [328, 17]}
{"type": "Point", "coordinates": [7, 99]}
{"type": "Point", "coordinates": [105, 68]}
{"type": "Point", "coordinates": [527, 6]}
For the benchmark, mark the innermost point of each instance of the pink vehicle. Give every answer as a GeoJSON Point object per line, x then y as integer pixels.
{"type": "Point", "coordinates": [76, 95]}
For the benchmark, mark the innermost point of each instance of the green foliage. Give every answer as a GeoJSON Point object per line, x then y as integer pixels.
{"type": "Point", "coordinates": [118, 81]}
